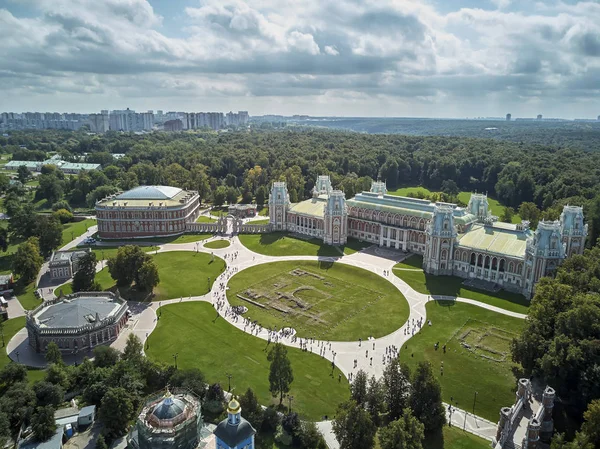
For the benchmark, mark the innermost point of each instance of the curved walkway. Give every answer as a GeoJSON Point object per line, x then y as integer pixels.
{"type": "Point", "coordinates": [343, 354]}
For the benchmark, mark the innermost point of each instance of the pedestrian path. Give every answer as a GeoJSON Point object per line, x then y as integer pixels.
{"type": "Point", "coordinates": [348, 356]}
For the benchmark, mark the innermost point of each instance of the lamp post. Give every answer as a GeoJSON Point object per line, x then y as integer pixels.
{"type": "Point", "coordinates": [229, 376]}
{"type": "Point", "coordinates": [2, 332]}
{"type": "Point", "coordinates": [290, 399]}
{"type": "Point", "coordinates": [175, 357]}
{"type": "Point", "coordinates": [474, 401]}
{"type": "Point", "coordinates": [17, 354]}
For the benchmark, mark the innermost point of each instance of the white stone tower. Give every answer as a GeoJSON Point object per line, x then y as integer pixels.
{"type": "Point", "coordinates": [279, 202]}
{"type": "Point", "coordinates": [441, 235]}
{"type": "Point", "coordinates": [573, 230]}
{"type": "Point", "coordinates": [322, 186]}
{"type": "Point", "coordinates": [336, 219]}
{"type": "Point", "coordinates": [544, 253]}
{"type": "Point", "coordinates": [479, 206]}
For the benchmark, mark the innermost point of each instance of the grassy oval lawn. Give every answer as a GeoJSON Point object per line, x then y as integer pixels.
{"type": "Point", "coordinates": [217, 348]}
{"type": "Point", "coordinates": [428, 284]}
{"type": "Point", "coordinates": [328, 301]}
{"type": "Point", "coordinates": [283, 244]}
{"type": "Point", "coordinates": [217, 244]}
{"type": "Point", "coordinates": [182, 273]}
{"type": "Point", "coordinates": [485, 367]}
{"type": "Point", "coordinates": [205, 219]}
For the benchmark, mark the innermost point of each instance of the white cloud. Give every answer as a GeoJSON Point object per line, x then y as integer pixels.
{"type": "Point", "coordinates": [373, 50]}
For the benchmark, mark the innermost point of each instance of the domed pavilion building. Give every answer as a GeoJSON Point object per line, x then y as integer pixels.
{"type": "Point", "coordinates": [234, 432]}
{"type": "Point", "coordinates": [168, 421]}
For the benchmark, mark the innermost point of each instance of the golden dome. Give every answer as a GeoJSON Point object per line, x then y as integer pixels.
{"type": "Point", "coordinates": [233, 406]}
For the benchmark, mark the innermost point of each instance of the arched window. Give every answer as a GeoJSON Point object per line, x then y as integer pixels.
{"type": "Point", "coordinates": [487, 261]}
{"type": "Point", "coordinates": [473, 259]}
{"type": "Point", "coordinates": [444, 254]}
{"type": "Point", "coordinates": [494, 263]}
{"type": "Point", "coordinates": [480, 261]}
{"type": "Point", "coordinates": [502, 263]}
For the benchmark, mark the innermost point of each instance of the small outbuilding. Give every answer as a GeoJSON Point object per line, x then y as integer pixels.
{"type": "Point", "coordinates": [87, 416]}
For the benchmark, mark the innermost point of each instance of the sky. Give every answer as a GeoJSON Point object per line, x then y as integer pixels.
{"type": "Point", "coordinates": [394, 58]}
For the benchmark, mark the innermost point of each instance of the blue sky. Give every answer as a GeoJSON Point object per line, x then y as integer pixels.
{"type": "Point", "coordinates": [442, 58]}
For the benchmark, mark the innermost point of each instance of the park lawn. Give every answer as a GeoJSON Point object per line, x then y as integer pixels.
{"type": "Point", "coordinates": [412, 262]}
{"type": "Point", "coordinates": [104, 252]}
{"type": "Point", "coordinates": [429, 284]}
{"type": "Point", "coordinates": [455, 438]}
{"type": "Point", "coordinates": [203, 340]}
{"type": "Point", "coordinates": [25, 295]}
{"type": "Point", "coordinates": [217, 244]}
{"type": "Point", "coordinates": [353, 246]}
{"type": "Point", "coordinates": [182, 273]}
{"type": "Point", "coordinates": [284, 244]}
{"type": "Point", "coordinates": [260, 222]}
{"type": "Point", "coordinates": [264, 211]}
{"type": "Point", "coordinates": [205, 219]}
{"type": "Point", "coordinates": [175, 240]}
{"type": "Point", "coordinates": [73, 230]}
{"type": "Point", "coordinates": [466, 372]}
{"type": "Point", "coordinates": [341, 302]}
{"type": "Point", "coordinates": [451, 438]}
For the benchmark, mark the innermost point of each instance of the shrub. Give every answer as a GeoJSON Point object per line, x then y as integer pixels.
{"type": "Point", "coordinates": [63, 215]}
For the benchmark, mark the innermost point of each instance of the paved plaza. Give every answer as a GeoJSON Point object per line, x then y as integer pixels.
{"type": "Point", "coordinates": [342, 353]}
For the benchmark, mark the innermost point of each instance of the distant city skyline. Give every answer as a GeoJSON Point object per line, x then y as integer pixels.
{"type": "Point", "coordinates": [395, 58]}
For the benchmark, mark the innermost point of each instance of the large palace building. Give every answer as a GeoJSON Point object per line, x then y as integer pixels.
{"type": "Point", "coordinates": [147, 211]}
{"type": "Point", "coordinates": [77, 322]}
{"type": "Point", "coordinates": [467, 242]}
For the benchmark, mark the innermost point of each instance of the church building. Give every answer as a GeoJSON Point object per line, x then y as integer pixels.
{"type": "Point", "coordinates": [234, 432]}
{"type": "Point", "coordinates": [468, 242]}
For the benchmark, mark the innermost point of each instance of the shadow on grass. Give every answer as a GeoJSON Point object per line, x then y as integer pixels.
{"type": "Point", "coordinates": [452, 286]}
{"type": "Point", "coordinates": [434, 440]}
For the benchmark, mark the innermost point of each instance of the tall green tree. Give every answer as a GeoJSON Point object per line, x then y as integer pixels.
{"type": "Point", "coordinates": [116, 411]}
{"type": "Point", "coordinates": [49, 231]}
{"type": "Point", "coordinates": [12, 373]}
{"type": "Point", "coordinates": [147, 276]}
{"type": "Point", "coordinates": [396, 389]}
{"type": "Point", "coordinates": [407, 432]}
{"type": "Point", "coordinates": [426, 398]}
{"type": "Point", "coordinates": [530, 212]}
{"type": "Point", "coordinates": [84, 278]}
{"type": "Point", "coordinates": [280, 371]}
{"type": "Point", "coordinates": [53, 354]}
{"type": "Point", "coordinates": [353, 427]}
{"type": "Point", "coordinates": [48, 394]}
{"type": "Point", "coordinates": [28, 260]}
{"type": "Point", "coordinates": [124, 267]}
{"type": "Point", "coordinates": [23, 174]}
{"type": "Point", "coordinates": [134, 348]}
{"type": "Point", "coordinates": [375, 399]}
{"type": "Point", "coordinates": [43, 424]}
{"type": "Point", "coordinates": [101, 443]}
{"type": "Point", "coordinates": [253, 411]}
{"type": "Point", "coordinates": [591, 423]}
{"type": "Point", "coordinates": [358, 388]}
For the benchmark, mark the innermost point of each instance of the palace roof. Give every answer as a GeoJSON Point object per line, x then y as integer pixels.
{"type": "Point", "coordinates": [402, 205]}
{"type": "Point", "coordinates": [148, 196]}
{"type": "Point", "coordinates": [314, 207]}
{"type": "Point", "coordinates": [150, 193]}
{"type": "Point", "coordinates": [77, 312]}
{"type": "Point", "coordinates": [500, 238]}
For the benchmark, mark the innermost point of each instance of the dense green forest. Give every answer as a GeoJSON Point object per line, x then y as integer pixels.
{"type": "Point", "coordinates": [581, 134]}
{"type": "Point", "coordinates": [240, 166]}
